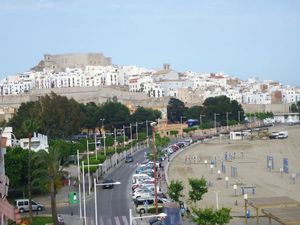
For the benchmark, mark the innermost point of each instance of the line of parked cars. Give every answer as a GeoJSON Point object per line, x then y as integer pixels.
{"type": "Point", "coordinates": [176, 146]}
{"type": "Point", "coordinates": [143, 188]}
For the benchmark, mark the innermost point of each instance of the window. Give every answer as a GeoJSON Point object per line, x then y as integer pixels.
{"type": "Point", "coordinates": [20, 203]}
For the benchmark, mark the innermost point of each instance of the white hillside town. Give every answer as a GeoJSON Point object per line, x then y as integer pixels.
{"type": "Point", "coordinates": [186, 86]}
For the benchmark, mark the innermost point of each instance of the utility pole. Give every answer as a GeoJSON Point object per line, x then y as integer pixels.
{"type": "Point", "coordinates": [153, 124]}
{"type": "Point", "coordinates": [227, 119]}
{"type": "Point", "coordinates": [215, 120]}
{"type": "Point", "coordinates": [181, 125]}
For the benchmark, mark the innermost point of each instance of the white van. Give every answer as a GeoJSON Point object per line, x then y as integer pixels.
{"type": "Point", "coordinates": [23, 205]}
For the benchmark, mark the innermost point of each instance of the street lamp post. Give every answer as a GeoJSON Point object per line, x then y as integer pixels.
{"type": "Point", "coordinates": [226, 181]}
{"type": "Point", "coordinates": [95, 196]}
{"type": "Point", "coordinates": [79, 186]}
{"type": "Point", "coordinates": [103, 136]}
{"type": "Point", "coordinates": [211, 168]}
{"type": "Point", "coordinates": [137, 133]}
{"type": "Point", "coordinates": [239, 116]}
{"type": "Point", "coordinates": [83, 190]}
{"type": "Point", "coordinates": [102, 119]}
{"type": "Point", "coordinates": [115, 139]}
{"type": "Point", "coordinates": [130, 139]}
{"type": "Point", "coordinates": [215, 120]}
{"type": "Point", "coordinates": [124, 129]}
{"type": "Point", "coordinates": [88, 161]}
{"type": "Point", "coordinates": [234, 188]}
{"type": "Point", "coordinates": [123, 136]}
{"type": "Point", "coordinates": [217, 198]}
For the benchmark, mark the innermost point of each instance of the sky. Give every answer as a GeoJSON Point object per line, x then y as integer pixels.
{"type": "Point", "coordinates": [242, 38]}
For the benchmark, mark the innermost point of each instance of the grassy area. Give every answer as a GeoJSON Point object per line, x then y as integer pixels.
{"type": "Point", "coordinates": [40, 220]}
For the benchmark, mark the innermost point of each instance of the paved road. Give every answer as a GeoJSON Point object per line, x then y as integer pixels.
{"type": "Point", "coordinates": [113, 204]}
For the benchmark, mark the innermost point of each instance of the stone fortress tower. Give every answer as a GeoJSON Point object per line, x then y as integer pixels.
{"type": "Point", "coordinates": [59, 63]}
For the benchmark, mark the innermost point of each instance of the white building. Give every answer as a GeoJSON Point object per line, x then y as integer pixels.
{"type": "Point", "coordinates": [38, 142]}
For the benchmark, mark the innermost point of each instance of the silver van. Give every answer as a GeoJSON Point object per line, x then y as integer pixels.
{"type": "Point", "coordinates": [23, 205]}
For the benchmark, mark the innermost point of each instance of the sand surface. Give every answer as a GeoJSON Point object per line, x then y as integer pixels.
{"type": "Point", "coordinates": [251, 163]}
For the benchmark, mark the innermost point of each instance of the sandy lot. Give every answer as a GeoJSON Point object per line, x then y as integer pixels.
{"type": "Point", "coordinates": [251, 163]}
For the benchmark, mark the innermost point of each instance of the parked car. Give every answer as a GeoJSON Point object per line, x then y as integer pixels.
{"type": "Point", "coordinates": [23, 205]}
{"type": "Point", "coordinates": [108, 183]}
{"type": "Point", "coordinates": [149, 200]}
{"type": "Point", "coordinates": [283, 135]}
{"type": "Point", "coordinates": [274, 135]}
{"type": "Point", "coordinates": [181, 144]}
{"type": "Point", "coordinates": [145, 207]}
{"type": "Point", "coordinates": [142, 195]}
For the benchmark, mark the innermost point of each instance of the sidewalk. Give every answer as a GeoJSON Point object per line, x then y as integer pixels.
{"type": "Point", "coordinates": [61, 197]}
{"type": "Point", "coordinates": [72, 220]}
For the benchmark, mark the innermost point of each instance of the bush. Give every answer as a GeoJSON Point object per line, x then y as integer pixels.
{"type": "Point", "coordinates": [173, 132]}
{"type": "Point", "coordinates": [153, 210]}
{"type": "Point", "coordinates": [186, 130]}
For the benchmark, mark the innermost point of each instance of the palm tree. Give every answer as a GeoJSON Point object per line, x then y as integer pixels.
{"type": "Point", "coordinates": [29, 127]}
{"type": "Point", "coordinates": [50, 169]}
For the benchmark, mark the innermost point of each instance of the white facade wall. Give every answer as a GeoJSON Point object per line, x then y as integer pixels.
{"type": "Point", "coordinates": [256, 98]}
{"type": "Point", "coordinates": [290, 95]}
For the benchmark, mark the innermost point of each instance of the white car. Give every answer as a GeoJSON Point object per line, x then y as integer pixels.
{"type": "Point", "coordinates": [144, 194]}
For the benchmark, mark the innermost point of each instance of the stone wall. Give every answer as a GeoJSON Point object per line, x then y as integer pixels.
{"type": "Point", "coordinates": [81, 60]}
{"type": "Point", "coordinates": [275, 108]}
{"type": "Point", "coordinates": [90, 94]}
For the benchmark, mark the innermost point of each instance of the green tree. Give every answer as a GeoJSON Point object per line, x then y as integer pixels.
{"type": "Point", "coordinates": [294, 108]}
{"type": "Point", "coordinates": [115, 115]}
{"type": "Point", "coordinates": [222, 216]}
{"type": "Point", "coordinates": [209, 216]}
{"type": "Point", "coordinates": [67, 148]}
{"type": "Point", "coordinates": [198, 189]}
{"type": "Point", "coordinates": [16, 168]}
{"type": "Point", "coordinates": [203, 216]}
{"type": "Point", "coordinates": [194, 112]}
{"type": "Point", "coordinates": [222, 105]}
{"type": "Point", "coordinates": [52, 171]}
{"type": "Point", "coordinates": [59, 116]}
{"type": "Point", "coordinates": [90, 111]}
{"type": "Point", "coordinates": [143, 114]}
{"type": "Point", "coordinates": [175, 110]}
{"type": "Point", "coordinates": [25, 111]}
{"type": "Point", "coordinates": [175, 190]}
